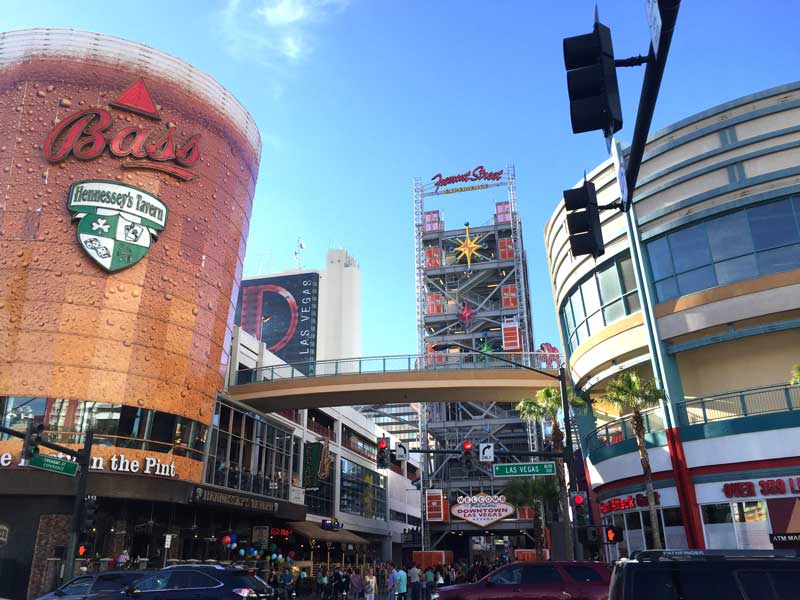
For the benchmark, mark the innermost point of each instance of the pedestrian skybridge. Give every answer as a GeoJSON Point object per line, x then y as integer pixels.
{"type": "Point", "coordinates": [381, 380]}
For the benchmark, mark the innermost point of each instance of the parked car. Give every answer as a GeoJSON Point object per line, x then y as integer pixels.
{"type": "Point", "coordinates": [92, 584]}
{"type": "Point", "coordinates": [703, 574]}
{"type": "Point", "coordinates": [573, 580]}
{"type": "Point", "coordinates": [197, 582]}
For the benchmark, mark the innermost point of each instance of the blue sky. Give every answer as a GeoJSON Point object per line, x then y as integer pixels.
{"type": "Point", "coordinates": [355, 98]}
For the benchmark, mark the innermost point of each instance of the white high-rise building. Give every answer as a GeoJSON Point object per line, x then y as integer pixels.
{"type": "Point", "coordinates": [339, 316]}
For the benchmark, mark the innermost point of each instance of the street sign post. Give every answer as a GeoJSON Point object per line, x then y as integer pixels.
{"type": "Point", "coordinates": [54, 465]}
{"type": "Point", "coordinates": [622, 177]}
{"type": "Point", "coordinates": [486, 452]}
{"type": "Point", "coordinates": [401, 451]}
{"type": "Point", "coordinates": [654, 23]}
{"type": "Point", "coordinates": [525, 469]}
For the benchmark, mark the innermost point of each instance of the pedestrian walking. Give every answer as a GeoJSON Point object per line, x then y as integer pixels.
{"type": "Point", "coordinates": [356, 585]}
{"type": "Point", "coordinates": [391, 586]}
{"type": "Point", "coordinates": [370, 585]}
{"type": "Point", "coordinates": [414, 582]}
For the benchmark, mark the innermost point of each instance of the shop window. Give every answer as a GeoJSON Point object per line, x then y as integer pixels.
{"type": "Point", "coordinates": [718, 525]}
{"type": "Point", "coordinates": [752, 526]}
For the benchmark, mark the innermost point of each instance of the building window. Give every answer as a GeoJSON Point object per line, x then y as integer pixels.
{"type": "Point", "coordinates": [742, 525]}
{"type": "Point", "coordinates": [249, 453]}
{"type": "Point", "coordinates": [363, 491]}
{"type": "Point", "coordinates": [638, 533]}
{"type": "Point", "coordinates": [113, 424]}
{"type": "Point", "coordinates": [397, 516]}
{"type": "Point", "coordinates": [606, 295]}
{"type": "Point", "coordinates": [752, 242]}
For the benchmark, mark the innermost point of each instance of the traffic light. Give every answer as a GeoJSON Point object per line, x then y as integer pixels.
{"type": "Point", "coordinates": [84, 550]}
{"type": "Point", "coordinates": [579, 507]}
{"type": "Point", "coordinates": [592, 82]}
{"type": "Point", "coordinates": [89, 514]}
{"type": "Point", "coordinates": [382, 458]}
{"type": "Point", "coordinates": [583, 221]}
{"type": "Point", "coordinates": [613, 534]}
{"type": "Point", "coordinates": [466, 455]}
{"type": "Point", "coordinates": [33, 437]}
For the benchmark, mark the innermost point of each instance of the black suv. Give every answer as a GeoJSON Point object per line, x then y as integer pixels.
{"type": "Point", "coordinates": [93, 584]}
{"type": "Point", "coordinates": [707, 575]}
{"type": "Point", "coordinates": [197, 582]}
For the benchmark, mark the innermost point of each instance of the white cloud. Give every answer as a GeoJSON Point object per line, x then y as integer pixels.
{"type": "Point", "coordinates": [273, 31]}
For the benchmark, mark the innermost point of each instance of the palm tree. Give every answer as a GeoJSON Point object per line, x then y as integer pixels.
{"type": "Point", "coordinates": [795, 380]}
{"type": "Point", "coordinates": [546, 407]}
{"type": "Point", "coordinates": [632, 394]}
{"type": "Point", "coordinates": [537, 492]}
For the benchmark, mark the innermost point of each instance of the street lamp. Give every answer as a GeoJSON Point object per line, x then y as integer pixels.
{"type": "Point", "coordinates": [562, 380]}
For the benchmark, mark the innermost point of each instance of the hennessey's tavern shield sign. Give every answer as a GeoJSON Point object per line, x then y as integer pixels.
{"type": "Point", "coordinates": [116, 222]}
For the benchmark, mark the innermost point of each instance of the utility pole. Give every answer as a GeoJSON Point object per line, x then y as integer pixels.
{"type": "Point", "coordinates": [84, 459]}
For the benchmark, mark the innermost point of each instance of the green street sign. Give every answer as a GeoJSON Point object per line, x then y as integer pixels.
{"type": "Point", "coordinates": [53, 464]}
{"type": "Point", "coordinates": [525, 469]}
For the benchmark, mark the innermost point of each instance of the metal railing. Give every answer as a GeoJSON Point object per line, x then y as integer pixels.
{"type": "Point", "coordinates": [319, 429]}
{"type": "Point", "coordinates": [621, 429]}
{"type": "Point", "coordinates": [405, 363]}
{"type": "Point", "coordinates": [744, 403]}
{"type": "Point", "coordinates": [730, 405]}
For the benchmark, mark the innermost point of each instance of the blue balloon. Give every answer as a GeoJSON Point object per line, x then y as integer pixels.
{"type": "Point", "coordinates": [241, 551]}
{"type": "Point", "coordinates": [274, 556]}
{"type": "Point", "coordinates": [234, 537]}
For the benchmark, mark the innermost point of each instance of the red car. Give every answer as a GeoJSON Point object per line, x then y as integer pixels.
{"type": "Point", "coordinates": [536, 581]}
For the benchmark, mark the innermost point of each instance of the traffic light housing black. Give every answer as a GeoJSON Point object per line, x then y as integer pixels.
{"type": "Point", "coordinates": [583, 221]}
{"type": "Point", "coordinates": [89, 519]}
{"type": "Point", "coordinates": [382, 457]}
{"type": "Point", "coordinates": [592, 535]}
{"type": "Point", "coordinates": [592, 82]}
{"type": "Point", "coordinates": [467, 458]}
{"type": "Point", "coordinates": [83, 550]}
{"type": "Point", "coordinates": [613, 535]}
{"type": "Point", "coordinates": [34, 434]}
{"type": "Point", "coordinates": [579, 506]}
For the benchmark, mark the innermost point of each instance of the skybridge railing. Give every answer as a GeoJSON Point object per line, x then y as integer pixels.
{"type": "Point", "coordinates": [405, 363]}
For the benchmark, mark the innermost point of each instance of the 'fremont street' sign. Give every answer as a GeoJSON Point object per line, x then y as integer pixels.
{"type": "Point", "coordinates": [56, 465]}
{"type": "Point", "coordinates": [525, 469]}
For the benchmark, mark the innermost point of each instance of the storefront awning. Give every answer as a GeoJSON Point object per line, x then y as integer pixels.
{"type": "Point", "coordinates": [313, 531]}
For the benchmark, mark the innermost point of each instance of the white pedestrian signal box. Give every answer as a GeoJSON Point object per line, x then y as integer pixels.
{"type": "Point", "coordinates": [401, 451]}
{"type": "Point", "coordinates": [486, 453]}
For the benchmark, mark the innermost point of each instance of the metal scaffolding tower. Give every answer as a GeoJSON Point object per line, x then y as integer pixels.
{"type": "Point", "coordinates": [472, 290]}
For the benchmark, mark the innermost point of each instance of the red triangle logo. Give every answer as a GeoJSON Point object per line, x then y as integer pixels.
{"type": "Point", "coordinates": [137, 99]}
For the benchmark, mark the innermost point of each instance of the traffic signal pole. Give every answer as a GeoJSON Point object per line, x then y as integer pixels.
{"type": "Point", "coordinates": [653, 74]}
{"type": "Point", "coordinates": [568, 453]}
{"type": "Point", "coordinates": [84, 458]}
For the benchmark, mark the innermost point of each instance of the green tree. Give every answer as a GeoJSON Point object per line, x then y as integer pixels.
{"type": "Point", "coordinates": [540, 493]}
{"type": "Point", "coordinates": [632, 394]}
{"type": "Point", "coordinates": [795, 380]}
{"type": "Point", "coordinates": [545, 407]}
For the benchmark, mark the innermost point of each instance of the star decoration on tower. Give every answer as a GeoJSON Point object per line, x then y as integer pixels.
{"type": "Point", "coordinates": [468, 248]}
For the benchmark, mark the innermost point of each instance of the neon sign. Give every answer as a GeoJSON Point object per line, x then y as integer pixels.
{"type": "Point", "coordinates": [479, 173]}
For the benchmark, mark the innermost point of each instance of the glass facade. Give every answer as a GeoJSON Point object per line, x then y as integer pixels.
{"type": "Point", "coordinates": [755, 241]}
{"type": "Point", "coordinates": [113, 424]}
{"type": "Point", "coordinates": [743, 525]}
{"type": "Point", "coordinates": [605, 296]}
{"type": "Point", "coordinates": [249, 453]}
{"type": "Point", "coordinates": [362, 491]}
{"type": "Point", "coordinates": [638, 534]}
{"type": "Point", "coordinates": [319, 501]}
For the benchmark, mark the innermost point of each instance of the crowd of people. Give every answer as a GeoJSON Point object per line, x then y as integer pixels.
{"type": "Point", "coordinates": [395, 582]}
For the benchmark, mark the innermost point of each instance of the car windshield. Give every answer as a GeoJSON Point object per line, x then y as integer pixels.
{"type": "Point", "coordinates": [245, 580]}
{"type": "Point", "coordinates": [111, 582]}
